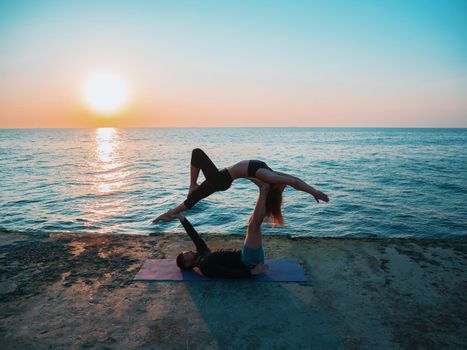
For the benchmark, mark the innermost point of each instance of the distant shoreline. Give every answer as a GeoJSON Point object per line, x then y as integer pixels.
{"type": "Point", "coordinates": [248, 127]}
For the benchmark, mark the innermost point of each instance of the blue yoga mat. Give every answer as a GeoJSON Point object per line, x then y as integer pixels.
{"type": "Point", "coordinates": [280, 270]}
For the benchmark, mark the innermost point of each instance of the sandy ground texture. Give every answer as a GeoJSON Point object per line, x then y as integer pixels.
{"type": "Point", "coordinates": [76, 292]}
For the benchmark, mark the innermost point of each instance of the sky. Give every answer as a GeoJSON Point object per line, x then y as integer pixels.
{"type": "Point", "coordinates": [237, 63]}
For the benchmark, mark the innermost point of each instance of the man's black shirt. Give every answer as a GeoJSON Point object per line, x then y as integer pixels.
{"type": "Point", "coordinates": [221, 263]}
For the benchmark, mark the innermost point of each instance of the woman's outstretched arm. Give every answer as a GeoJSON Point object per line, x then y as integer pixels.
{"type": "Point", "coordinates": [273, 177]}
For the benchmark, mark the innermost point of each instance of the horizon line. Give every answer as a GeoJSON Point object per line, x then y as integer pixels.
{"type": "Point", "coordinates": [239, 127]}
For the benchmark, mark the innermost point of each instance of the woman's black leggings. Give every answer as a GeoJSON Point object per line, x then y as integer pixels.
{"type": "Point", "coordinates": [216, 180]}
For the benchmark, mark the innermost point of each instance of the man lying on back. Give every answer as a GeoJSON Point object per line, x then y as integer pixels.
{"type": "Point", "coordinates": [229, 263]}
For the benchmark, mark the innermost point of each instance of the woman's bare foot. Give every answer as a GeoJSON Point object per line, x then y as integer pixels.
{"type": "Point", "coordinates": [192, 188]}
{"type": "Point", "coordinates": [259, 269]}
{"type": "Point", "coordinates": [167, 216]}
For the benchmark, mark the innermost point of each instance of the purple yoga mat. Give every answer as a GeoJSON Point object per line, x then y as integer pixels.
{"type": "Point", "coordinates": [280, 270]}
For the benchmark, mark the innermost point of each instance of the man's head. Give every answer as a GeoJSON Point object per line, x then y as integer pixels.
{"type": "Point", "coordinates": [187, 260]}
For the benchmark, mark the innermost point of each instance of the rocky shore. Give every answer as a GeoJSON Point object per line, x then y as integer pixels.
{"type": "Point", "coordinates": [71, 291]}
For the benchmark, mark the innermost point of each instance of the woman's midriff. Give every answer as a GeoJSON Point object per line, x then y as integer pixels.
{"type": "Point", "coordinates": [239, 169]}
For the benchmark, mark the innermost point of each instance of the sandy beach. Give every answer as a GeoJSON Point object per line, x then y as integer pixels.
{"type": "Point", "coordinates": [71, 291]}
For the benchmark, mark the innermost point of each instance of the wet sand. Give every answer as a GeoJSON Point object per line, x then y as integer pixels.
{"type": "Point", "coordinates": [66, 291]}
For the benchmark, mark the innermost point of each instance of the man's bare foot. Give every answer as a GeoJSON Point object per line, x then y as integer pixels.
{"type": "Point", "coordinates": [259, 269]}
{"type": "Point", "coordinates": [167, 216]}
{"type": "Point", "coordinates": [192, 188]}
{"type": "Point", "coordinates": [320, 196]}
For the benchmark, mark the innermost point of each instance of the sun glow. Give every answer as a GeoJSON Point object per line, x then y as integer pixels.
{"type": "Point", "coordinates": [105, 93]}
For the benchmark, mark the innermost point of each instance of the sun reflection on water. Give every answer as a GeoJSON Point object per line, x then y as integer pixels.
{"type": "Point", "coordinates": [108, 162]}
{"type": "Point", "coordinates": [107, 143]}
{"type": "Point", "coordinates": [110, 176]}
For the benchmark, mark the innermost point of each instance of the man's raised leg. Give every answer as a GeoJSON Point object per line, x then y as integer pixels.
{"type": "Point", "coordinates": [252, 251]}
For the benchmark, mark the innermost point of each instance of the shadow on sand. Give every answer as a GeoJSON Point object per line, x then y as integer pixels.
{"type": "Point", "coordinates": [258, 315]}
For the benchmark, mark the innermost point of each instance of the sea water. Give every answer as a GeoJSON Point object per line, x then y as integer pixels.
{"type": "Point", "coordinates": [381, 182]}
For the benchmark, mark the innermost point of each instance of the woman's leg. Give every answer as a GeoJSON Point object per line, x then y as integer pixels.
{"type": "Point", "coordinates": [202, 191]}
{"type": "Point", "coordinates": [194, 173]}
{"type": "Point", "coordinates": [200, 160]}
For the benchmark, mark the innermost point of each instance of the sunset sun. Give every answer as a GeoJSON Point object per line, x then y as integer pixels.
{"type": "Point", "coordinates": [105, 93]}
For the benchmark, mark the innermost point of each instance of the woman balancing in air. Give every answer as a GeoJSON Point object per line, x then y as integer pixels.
{"type": "Point", "coordinates": [220, 180]}
{"type": "Point", "coordinates": [229, 263]}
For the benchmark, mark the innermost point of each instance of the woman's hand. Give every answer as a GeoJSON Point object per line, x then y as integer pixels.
{"type": "Point", "coordinates": [320, 196]}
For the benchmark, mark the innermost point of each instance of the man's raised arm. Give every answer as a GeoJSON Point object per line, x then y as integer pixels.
{"type": "Point", "coordinates": [201, 246]}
